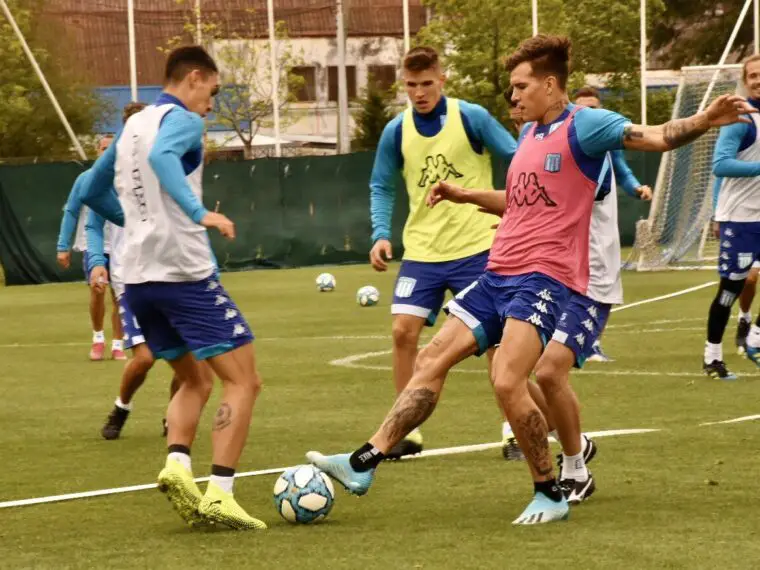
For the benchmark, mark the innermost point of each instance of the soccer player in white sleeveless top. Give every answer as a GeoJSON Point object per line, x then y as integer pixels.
{"type": "Point", "coordinates": [736, 160]}
{"type": "Point", "coordinates": [171, 284]}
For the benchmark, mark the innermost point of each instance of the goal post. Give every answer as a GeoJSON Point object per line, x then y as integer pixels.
{"type": "Point", "coordinates": [677, 233]}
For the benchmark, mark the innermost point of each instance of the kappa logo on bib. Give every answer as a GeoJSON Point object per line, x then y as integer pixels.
{"type": "Point", "coordinates": [437, 169]}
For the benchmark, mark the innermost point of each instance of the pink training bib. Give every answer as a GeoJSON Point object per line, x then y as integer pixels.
{"type": "Point", "coordinates": [545, 228]}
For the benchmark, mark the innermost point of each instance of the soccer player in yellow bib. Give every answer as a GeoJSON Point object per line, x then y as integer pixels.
{"type": "Point", "coordinates": [437, 139]}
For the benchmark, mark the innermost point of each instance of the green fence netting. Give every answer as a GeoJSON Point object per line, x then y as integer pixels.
{"type": "Point", "coordinates": [288, 212]}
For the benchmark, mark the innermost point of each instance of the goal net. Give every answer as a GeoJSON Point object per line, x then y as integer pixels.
{"type": "Point", "coordinates": [677, 234]}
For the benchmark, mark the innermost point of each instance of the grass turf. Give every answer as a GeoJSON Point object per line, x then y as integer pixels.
{"type": "Point", "coordinates": [678, 498]}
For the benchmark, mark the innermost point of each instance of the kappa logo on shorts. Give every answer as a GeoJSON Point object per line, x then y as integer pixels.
{"type": "Point", "coordinates": [238, 330]}
{"type": "Point", "coordinates": [230, 314]}
{"type": "Point", "coordinates": [541, 307]}
{"type": "Point", "coordinates": [592, 311]}
{"type": "Point", "coordinates": [405, 287]}
{"type": "Point", "coordinates": [553, 162]}
{"type": "Point", "coordinates": [726, 244]}
{"type": "Point", "coordinates": [212, 286]}
{"type": "Point", "coordinates": [220, 300]}
{"type": "Point", "coordinates": [724, 256]}
{"type": "Point", "coordinates": [589, 325]}
{"type": "Point", "coordinates": [724, 266]}
{"type": "Point", "coordinates": [744, 260]}
{"type": "Point", "coordinates": [545, 295]}
{"type": "Point", "coordinates": [535, 320]}
{"type": "Point", "coordinates": [729, 232]}
{"type": "Point", "coordinates": [580, 338]}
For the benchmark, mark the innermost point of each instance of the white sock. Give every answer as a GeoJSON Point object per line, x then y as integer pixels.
{"type": "Point", "coordinates": [753, 338]}
{"type": "Point", "coordinates": [745, 316]}
{"type": "Point", "coordinates": [183, 458]}
{"type": "Point", "coordinates": [584, 444]}
{"type": "Point", "coordinates": [225, 483]}
{"type": "Point", "coordinates": [573, 467]}
{"type": "Point", "coordinates": [715, 351]}
{"type": "Point", "coordinates": [506, 430]}
{"type": "Point", "coordinates": [122, 405]}
{"type": "Point", "coordinates": [117, 344]}
{"type": "Point", "coordinates": [98, 337]}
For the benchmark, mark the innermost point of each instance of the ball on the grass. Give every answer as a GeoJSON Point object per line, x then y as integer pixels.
{"type": "Point", "coordinates": [367, 296]}
{"type": "Point", "coordinates": [303, 494]}
{"type": "Point", "coordinates": [325, 282]}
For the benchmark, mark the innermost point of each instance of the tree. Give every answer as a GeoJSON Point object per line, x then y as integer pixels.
{"type": "Point", "coordinates": [693, 32]}
{"type": "Point", "coordinates": [29, 125]}
{"type": "Point", "coordinates": [475, 35]}
{"type": "Point", "coordinates": [376, 111]}
{"type": "Point", "coordinates": [245, 101]}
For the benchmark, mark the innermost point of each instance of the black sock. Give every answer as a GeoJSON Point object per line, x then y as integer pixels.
{"type": "Point", "coordinates": [720, 310]}
{"type": "Point", "coordinates": [221, 471]}
{"type": "Point", "coordinates": [176, 448]}
{"type": "Point", "coordinates": [548, 488]}
{"type": "Point", "coordinates": [366, 457]}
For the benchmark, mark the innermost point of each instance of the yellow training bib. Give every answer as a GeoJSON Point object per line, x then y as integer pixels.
{"type": "Point", "coordinates": [448, 231]}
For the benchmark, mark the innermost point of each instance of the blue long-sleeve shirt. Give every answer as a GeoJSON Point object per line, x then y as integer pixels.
{"type": "Point", "coordinates": [483, 131]}
{"type": "Point", "coordinates": [71, 213]}
{"type": "Point", "coordinates": [732, 140]}
{"type": "Point", "coordinates": [624, 176]}
{"type": "Point", "coordinates": [716, 192]}
{"type": "Point", "coordinates": [177, 151]}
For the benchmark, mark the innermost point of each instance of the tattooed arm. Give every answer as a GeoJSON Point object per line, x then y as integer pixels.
{"type": "Point", "coordinates": [725, 110]}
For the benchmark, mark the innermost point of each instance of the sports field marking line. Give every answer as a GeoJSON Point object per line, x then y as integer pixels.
{"type": "Point", "coordinates": [429, 453]}
{"type": "Point", "coordinates": [733, 421]}
{"type": "Point", "coordinates": [663, 297]}
{"type": "Point", "coordinates": [353, 360]}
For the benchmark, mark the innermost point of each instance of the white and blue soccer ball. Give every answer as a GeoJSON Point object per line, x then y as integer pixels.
{"type": "Point", "coordinates": [303, 494]}
{"type": "Point", "coordinates": [325, 282]}
{"type": "Point", "coordinates": [367, 296]}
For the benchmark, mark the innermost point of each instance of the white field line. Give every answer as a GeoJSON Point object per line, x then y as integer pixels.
{"type": "Point", "coordinates": [733, 421]}
{"type": "Point", "coordinates": [663, 297]}
{"type": "Point", "coordinates": [428, 453]}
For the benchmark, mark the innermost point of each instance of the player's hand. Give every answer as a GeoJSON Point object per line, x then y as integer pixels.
{"type": "Point", "coordinates": [644, 192]}
{"type": "Point", "coordinates": [444, 191]}
{"type": "Point", "coordinates": [63, 258]}
{"type": "Point", "coordinates": [728, 109]}
{"type": "Point", "coordinates": [221, 222]}
{"type": "Point", "coordinates": [380, 253]}
{"type": "Point", "coordinates": [715, 227]}
{"type": "Point", "coordinates": [99, 279]}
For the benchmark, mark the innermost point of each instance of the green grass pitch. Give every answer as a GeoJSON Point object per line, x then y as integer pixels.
{"type": "Point", "coordinates": [682, 497]}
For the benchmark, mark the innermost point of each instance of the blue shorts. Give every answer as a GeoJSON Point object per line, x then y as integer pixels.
{"type": "Point", "coordinates": [487, 303]}
{"type": "Point", "coordinates": [739, 249]}
{"type": "Point", "coordinates": [195, 316]}
{"type": "Point", "coordinates": [580, 325]}
{"type": "Point", "coordinates": [421, 286]}
{"type": "Point", "coordinates": [133, 334]}
{"type": "Point", "coordinates": [84, 266]}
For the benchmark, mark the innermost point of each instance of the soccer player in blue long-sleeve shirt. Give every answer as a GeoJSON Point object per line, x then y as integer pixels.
{"type": "Point", "coordinates": [72, 222]}
{"type": "Point", "coordinates": [437, 138]}
{"type": "Point", "coordinates": [736, 159]}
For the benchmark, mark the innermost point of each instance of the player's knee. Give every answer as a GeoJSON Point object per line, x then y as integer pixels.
{"type": "Point", "coordinates": [256, 383]}
{"type": "Point", "coordinates": [404, 335]}
{"type": "Point", "coordinates": [143, 361]}
{"type": "Point", "coordinates": [548, 378]}
{"type": "Point", "coordinates": [508, 388]}
{"type": "Point", "coordinates": [728, 292]}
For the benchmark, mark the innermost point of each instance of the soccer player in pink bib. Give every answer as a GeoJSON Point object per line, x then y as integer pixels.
{"type": "Point", "coordinates": [540, 256]}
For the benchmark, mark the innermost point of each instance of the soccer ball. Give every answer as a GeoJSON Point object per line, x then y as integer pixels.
{"type": "Point", "coordinates": [303, 494]}
{"type": "Point", "coordinates": [325, 282]}
{"type": "Point", "coordinates": [367, 296]}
